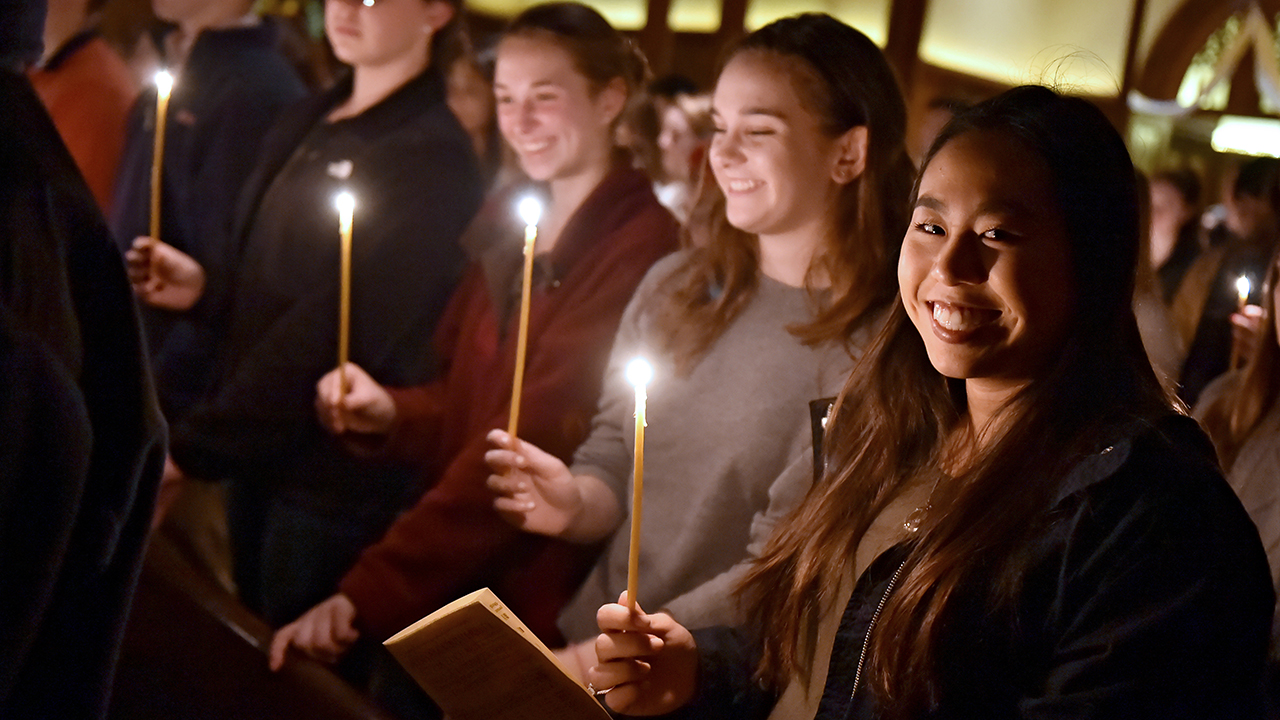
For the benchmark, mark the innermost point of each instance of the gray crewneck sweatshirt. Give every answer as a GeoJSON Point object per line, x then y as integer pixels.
{"type": "Point", "coordinates": [728, 452]}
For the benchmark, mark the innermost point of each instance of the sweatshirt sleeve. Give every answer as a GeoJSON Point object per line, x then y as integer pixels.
{"type": "Point", "coordinates": [713, 600]}
{"type": "Point", "coordinates": [605, 454]}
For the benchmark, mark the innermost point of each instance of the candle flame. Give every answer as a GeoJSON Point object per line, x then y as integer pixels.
{"type": "Point", "coordinates": [1243, 286]}
{"type": "Point", "coordinates": [345, 202]}
{"type": "Point", "coordinates": [164, 83]}
{"type": "Point", "coordinates": [530, 211]}
{"type": "Point", "coordinates": [639, 372]}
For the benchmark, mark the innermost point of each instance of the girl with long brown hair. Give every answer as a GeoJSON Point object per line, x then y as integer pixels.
{"type": "Point", "coordinates": [1014, 522]}
{"type": "Point", "coordinates": [786, 275]}
{"type": "Point", "coordinates": [1241, 415]}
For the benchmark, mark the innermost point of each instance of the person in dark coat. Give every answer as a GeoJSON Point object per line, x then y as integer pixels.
{"type": "Point", "coordinates": [231, 82]}
{"type": "Point", "coordinates": [1208, 297]}
{"type": "Point", "coordinates": [300, 505]}
{"type": "Point", "coordinates": [1015, 522]}
{"type": "Point", "coordinates": [83, 440]}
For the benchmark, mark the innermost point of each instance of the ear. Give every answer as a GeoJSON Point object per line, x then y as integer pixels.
{"type": "Point", "coordinates": [439, 13]}
{"type": "Point", "coordinates": [851, 155]}
{"type": "Point", "coordinates": [611, 99]}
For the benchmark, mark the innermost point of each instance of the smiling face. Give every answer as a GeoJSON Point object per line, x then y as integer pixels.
{"type": "Point", "coordinates": [548, 112]}
{"type": "Point", "coordinates": [678, 142]}
{"type": "Point", "coordinates": [985, 271]}
{"type": "Point", "coordinates": [769, 153]}
{"type": "Point", "coordinates": [386, 33]}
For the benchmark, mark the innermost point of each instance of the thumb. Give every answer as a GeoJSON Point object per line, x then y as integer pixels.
{"type": "Point", "coordinates": [279, 646]}
{"type": "Point", "coordinates": [639, 616]}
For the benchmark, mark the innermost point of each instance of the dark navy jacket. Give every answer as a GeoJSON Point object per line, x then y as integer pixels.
{"type": "Point", "coordinates": [230, 91]}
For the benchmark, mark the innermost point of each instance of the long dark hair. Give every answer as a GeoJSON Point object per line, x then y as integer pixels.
{"type": "Point", "coordinates": [844, 79]}
{"type": "Point", "coordinates": [896, 410]}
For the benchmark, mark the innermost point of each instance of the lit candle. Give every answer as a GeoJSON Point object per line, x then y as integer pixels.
{"type": "Point", "coordinates": [639, 373]}
{"type": "Point", "coordinates": [346, 205]}
{"type": "Point", "coordinates": [530, 211]}
{"type": "Point", "coordinates": [164, 86]}
{"type": "Point", "coordinates": [1243, 286]}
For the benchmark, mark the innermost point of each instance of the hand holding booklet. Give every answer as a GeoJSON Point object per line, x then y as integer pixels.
{"type": "Point", "coordinates": [479, 662]}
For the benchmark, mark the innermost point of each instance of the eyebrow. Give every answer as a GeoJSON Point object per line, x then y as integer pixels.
{"type": "Point", "coordinates": [765, 111]}
{"type": "Point", "coordinates": [535, 84]}
{"type": "Point", "coordinates": [999, 207]}
{"type": "Point", "coordinates": [925, 201]}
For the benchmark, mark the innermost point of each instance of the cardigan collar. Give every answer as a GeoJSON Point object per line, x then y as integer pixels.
{"type": "Point", "coordinates": [401, 106]}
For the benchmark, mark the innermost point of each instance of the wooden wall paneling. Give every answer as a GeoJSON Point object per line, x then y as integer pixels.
{"type": "Point", "coordinates": [656, 39]}
{"type": "Point", "coordinates": [733, 21]}
{"type": "Point", "coordinates": [902, 48]}
{"type": "Point", "coordinates": [1131, 48]}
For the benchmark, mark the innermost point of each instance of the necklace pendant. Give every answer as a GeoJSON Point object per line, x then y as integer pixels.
{"type": "Point", "coordinates": [912, 523]}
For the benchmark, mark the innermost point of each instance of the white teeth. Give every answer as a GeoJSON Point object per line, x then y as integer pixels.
{"type": "Point", "coordinates": [958, 319]}
{"type": "Point", "coordinates": [743, 185]}
{"type": "Point", "coordinates": [537, 147]}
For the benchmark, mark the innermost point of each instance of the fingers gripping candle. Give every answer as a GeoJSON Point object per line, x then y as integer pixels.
{"type": "Point", "coordinates": [639, 373]}
{"type": "Point", "coordinates": [530, 211]}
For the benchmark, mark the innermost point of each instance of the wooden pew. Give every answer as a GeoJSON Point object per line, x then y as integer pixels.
{"type": "Point", "coordinates": [193, 652]}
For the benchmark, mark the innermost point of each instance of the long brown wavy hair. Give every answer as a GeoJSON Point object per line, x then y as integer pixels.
{"type": "Point", "coordinates": [843, 78]}
{"type": "Point", "coordinates": [896, 411]}
{"type": "Point", "coordinates": [1234, 415]}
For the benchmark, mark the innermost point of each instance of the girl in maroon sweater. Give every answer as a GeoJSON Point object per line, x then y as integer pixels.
{"type": "Point", "coordinates": [563, 78]}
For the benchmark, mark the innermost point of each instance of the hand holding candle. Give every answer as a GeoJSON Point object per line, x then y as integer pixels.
{"type": "Point", "coordinates": [530, 211]}
{"type": "Point", "coordinates": [346, 205]}
{"type": "Point", "coordinates": [639, 373]}
{"type": "Point", "coordinates": [164, 86]}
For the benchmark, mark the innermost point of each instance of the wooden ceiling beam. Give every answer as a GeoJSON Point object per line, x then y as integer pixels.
{"type": "Point", "coordinates": [1184, 35]}
{"type": "Point", "coordinates": [902, 48]}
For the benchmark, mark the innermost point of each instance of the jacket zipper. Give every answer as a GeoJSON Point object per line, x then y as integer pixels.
{"type": "Point", "coordinates": [866, 639]}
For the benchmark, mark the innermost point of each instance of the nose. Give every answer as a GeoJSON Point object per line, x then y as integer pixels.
{"type": "Point", "coordinates": [525, 119]}
{"type": "Point", "coordinates": [959, 260]}
{"type": "Point", "coordinates": [725, 149]}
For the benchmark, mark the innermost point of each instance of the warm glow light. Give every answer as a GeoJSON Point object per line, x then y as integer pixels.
{"type": "Point", "coordinates": [1242, 289]}
{"type": "Point", "coordinates": [530, 211]}
{"type": "Point", "coordinates": [639, 372]}
{"type": "Point", "coordinates": [345, 202]}
{"type": "Point", "coordinates": [1259, 137]}
{"type": "Point", "coordinates": [164, 83]}
{"type": "Point", "coordinates": [624, 15]}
